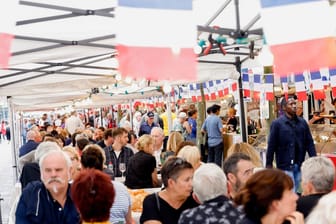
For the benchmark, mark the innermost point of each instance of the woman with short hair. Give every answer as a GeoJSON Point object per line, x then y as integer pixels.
{"type": "Point", "coordinates": [166, 206]}
{"type": "Point", "coordinates": [268, 197]}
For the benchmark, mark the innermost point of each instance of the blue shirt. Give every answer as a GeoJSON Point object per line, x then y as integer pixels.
{"type": "Point", "coordinates": [28, 147]}
{"type": "Point", "coordinates": [193, 125]}
{"type": "Point", "coordinates": [145, 128]}
{"type": "Point", "coordinates": [36, 205]}
{"type": "Point", "coordinates": [213, 126]}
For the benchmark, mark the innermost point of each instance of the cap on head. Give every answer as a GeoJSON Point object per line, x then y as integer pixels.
{"type": "Point", "coordinates": [150, 114]}
{"type": "Point", "coordinates": [182, 115]}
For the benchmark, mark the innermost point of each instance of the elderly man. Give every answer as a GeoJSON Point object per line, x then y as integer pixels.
{"type": "Point", "coordinates": [31, 170]}
{"type": "Point", "coordinates": [31, 144]}
{"type": "Point", "coordinates": [146, 126]}
{"type": "Point", "coordinates": [158, 137]}
{"type": "Point", "coordinates": [318, 174]}
{"type": "Point", "coordinates": [49, 201]}
{"type": "Point", "coordinates": [210, 189]}
{"type": "Point", "coordinates": [238, 168]}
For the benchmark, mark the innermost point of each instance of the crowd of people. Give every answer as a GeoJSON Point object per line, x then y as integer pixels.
{"type": "Point", "coordinates": [77, 173]}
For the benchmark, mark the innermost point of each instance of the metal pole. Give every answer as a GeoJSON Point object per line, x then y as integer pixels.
{"type": "Point", "coordinates": [243, 128]}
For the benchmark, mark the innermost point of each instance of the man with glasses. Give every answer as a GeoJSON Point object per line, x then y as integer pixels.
{"type": "Point", "coordinates": [238, 168]}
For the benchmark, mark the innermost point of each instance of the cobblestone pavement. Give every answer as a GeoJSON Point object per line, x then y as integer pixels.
{"type": "Point", "coordinates": [7, 180]}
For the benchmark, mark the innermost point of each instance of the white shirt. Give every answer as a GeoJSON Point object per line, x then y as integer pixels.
{"type": "Point", "coordinates": [72, 123]}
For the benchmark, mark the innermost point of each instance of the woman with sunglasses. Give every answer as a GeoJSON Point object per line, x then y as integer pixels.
{"type": "Point", "coordinates": [166, 206]}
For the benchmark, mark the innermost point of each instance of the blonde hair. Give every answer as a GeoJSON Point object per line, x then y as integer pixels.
{"type": "Point", "coordinates": [191, 154]}
{"type": "Point", "coordinates": [247, 149]}
{"type": "Point", "coordinates": [71, 150]}
{"type": "Point", "coordinates": [143, 142]}
{"type": "Point", "coordinates": [232, 111]}
{"type": "Point", "coordinates": [174, 139]}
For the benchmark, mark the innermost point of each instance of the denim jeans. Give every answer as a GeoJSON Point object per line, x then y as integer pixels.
{"type": "Point", "coordinates": [215, 154]}
{"type": "Point", "coordinates": [295, 174]}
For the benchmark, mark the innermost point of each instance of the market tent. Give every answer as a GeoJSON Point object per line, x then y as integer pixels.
{"type": "Point", "coordinates": [64, 49]}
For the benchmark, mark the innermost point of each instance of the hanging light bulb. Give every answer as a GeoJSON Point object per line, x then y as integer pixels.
{"type": "Point", "coordinates": [128, 80]}
{"type": "Point", "coordinates": [118, 77]}
{"type": "Point", "coordinates": [197, 49]}
{"type": "Point", "coordinates": [230, 41]}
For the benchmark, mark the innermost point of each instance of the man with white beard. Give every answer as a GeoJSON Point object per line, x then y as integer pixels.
{"type": "Point", "coordinates": [49, 201]}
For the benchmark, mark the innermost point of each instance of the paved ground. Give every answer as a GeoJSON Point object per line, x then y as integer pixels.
{"type": "Point", "coordinates": [7, 180]}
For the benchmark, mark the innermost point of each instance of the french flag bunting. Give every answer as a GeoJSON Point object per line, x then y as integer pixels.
{"type": "Point", "coordinates": [300, 87]}
{"type": "Point", "coordinates": [284, 83]}
{"type": "Point", "coordinates": [257, 86]}
{"type": "Point", "coordinates": [193, 92]}
{"type": "Point", "coordinates": [332, 73]}
{"type": "Point", "coordinates": [220, 88]}
{"type": "Point", "coordinates": [198, 92]}
{"type": "Point", "coordinates": [234, 86]}
{"type": "Point", "coordinates": [303, 39]}
{"type": "Point", "coordinates": [245, 82]}
{"type": "Point", "coordinates": [155, 39]}
{"type": "Point", "coordinates": [212, 90]}
{"type": "Point", "coordinates": [206, 92]}
{"type": "Point", "coordinates": [268, 86]}
{"type": "Point", "coordinates": [226, 87]}
{"type": "Point", "coordinates": [317, 83]}
{"type": "Point", "coordinates": [325, 77]}
{"type": "Point", "coordinates": [183, 92]}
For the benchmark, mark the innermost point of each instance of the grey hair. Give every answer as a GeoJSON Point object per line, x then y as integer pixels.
{"type": "Point", "coordinates": [324, 211]}
{"type": "Point", "coordinates": [160, 130]}
{"type": "Point", "coordinates": [209, 182]}
{"type": "Point", "coordinates": [53, 152]}
{"type": "Point", "coordinates": [45, 147]}
{"type": "Point", "coordinates": [320, 171]}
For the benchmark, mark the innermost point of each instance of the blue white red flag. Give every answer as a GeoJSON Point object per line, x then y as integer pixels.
{"type": "Point", "coordinates": [300, 34]}
{"type": "Point", "coordinates": [318, 88]}
{"type": "Point", "coordinates": [300, 87]}
{"type": "Point", "coordinates": [332, 73]}
{"type": "Point", "coordinates": [246, 83]}
{"type": "Point", "coordinates": [193, 92]}
{"type": "Point", "coordinates": [268, 86]}
{"type": "Point", "coordinates": [256, 86]}
{"type": "Point", "coordinates": [155, 39]}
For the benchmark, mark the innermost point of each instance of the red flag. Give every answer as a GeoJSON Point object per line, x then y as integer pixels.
{"type": "Point", "coordinates": [304, 40]}
{"type": "Point", "coordinates": [5, 45]}
{"type": "Point", "coordinates": [234, 87]}
{"type": "Point", "coordinates": [152, 45]}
